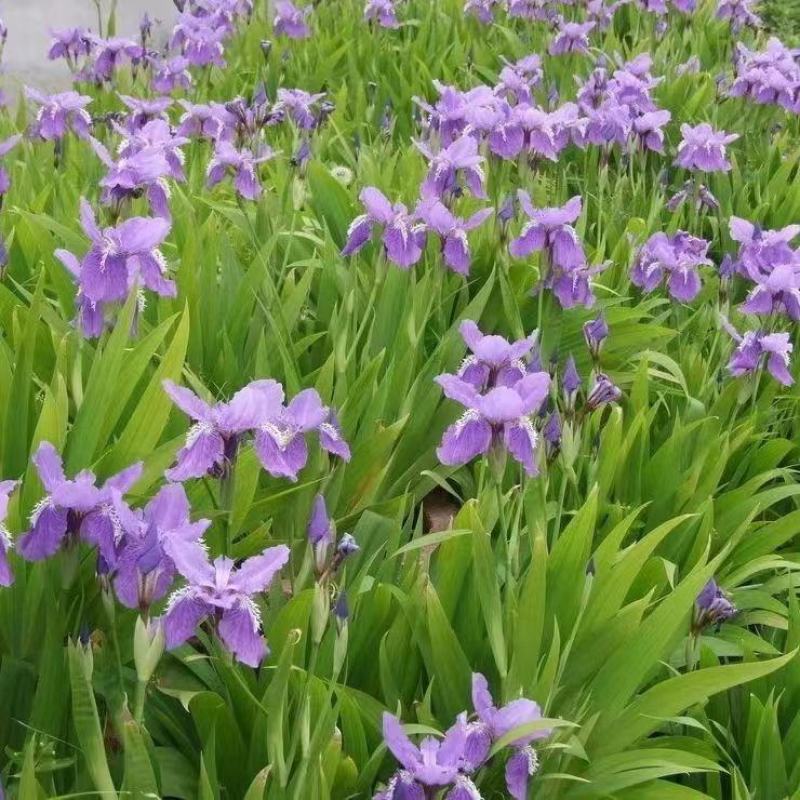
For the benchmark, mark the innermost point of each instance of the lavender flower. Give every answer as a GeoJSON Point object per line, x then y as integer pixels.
{"type": "Point", "coordinates": [452, 232]}
{"type": "Point", "coordinates": [704, 149]}
{"type": "Point", "coordinates": [676, 258]}
{"type": "Point", "coordinates": [458, 162]}
{"type": "Point", "coordinates": [648, 129]}
{"type": "Point", "coordinates": [199, 40]}
{"type": "Point", "coordinates": [571, 37]}
{"type": "Point", "coordinates": [403, 238]}
{"type": "Point", "coordinates": [6, 544]}
{"type": "Point", "coordinates": [60, 113]}
{"type": "Point", "coordinates": [291, 20]}
{"type": "Point", "coordinates": [551, 230]}
{"type": "Point", "coordinates": [212, 121]}
{"type": "Point", "coordinates": [497, 722]}
{"type": "Point", "coordinates": [754, 348]}
{"type": "Point", "coordinates": [110, 54]}
{"type": "Point", "coordinates": [494, 361]}
{"type": "Point", "coordinates": [70, 44]}
{"type": "Point", "coordinates": [298, 104]}
{"type": "Point", "coordinates": [75, 508]}
{"type": "Point", "coordinates": [761, 251]}
{"type": "Point", "coordinates": [213, 441]}
{"type": "Point", "coordinates": [130, 177]}
{"type": "Point", "coordinates": [570, 382]}
{"type": "Point", "coordinates": [145, 110]}
{"type": "Point", "coordinates": [712, 607]}
{"type": "Point", "coordinates": [144, 572]}
{"type": "Point", "coordinates": [517, 80]}
{"type": "Point", "coordinates": [595, 333]}
{"type": "Point", "coordinates": [482, 10]}
{"type": "Point", "coordinates": [241, 164]}
{"type": "Point", "coordinates": [502, 419]}
{"type": "Point", "coordinates": [433, 764]}
{"type": "Point", "coordinates": [280, 439]}
{"type": "Point", "coordinates": [383, 12]}
{"type": "Point", "coordinates": [170, 74]}
{"type": "Point", "coordinates": [224, 593]}
{"type": "Point", "coordinates": [121, 257]}
{"type": "Point", "coordinates": [603, 392]}
{"type": "Point", "coordinates": [739, 12]}
{"type": "Point", "coordinates": [321, 532]}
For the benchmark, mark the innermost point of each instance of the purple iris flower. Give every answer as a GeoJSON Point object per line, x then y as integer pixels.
{"type": "Point", "coordinates": [541, 10]}
{"type": "Point", "coordinates": [241, 164]}
{"type": "Point", "coordinates": [595, 332]}
{"type": "Point", "coordinates": [571, 37]}
{"type": "Point", "coordinates": [130, 177]}
{"type": "Point", "coordinates": [778, 292]}
{"type": "Point", "coordinates": [570, 382]}
{"type": "Point", "coordinates": [91, 313]}
{"type": "Point", "coordinates": [212, 121]}
{"type": "Point", "coordinates": [495, 723]}
{"type": "Point", "coordinates": [223, 592]}
{"type": "Point", "coordinates": [602, 12]}
{"type": "Point", "coordinates": [517, 80]}
{"type": "Point", "coordinates": [482, 10]}
{"type": "Point", "coordinates": [199, 40]}
{"type": "Point", "coordinates": [761, 251]}
{"type": "Point", "coordinates": [547, 133]}
{"type": "Point", "coordinates": [603, 392]}
{"type": "Point", "coordinates": [739, 12]}
{"type": "Point", "coordinates": [771, 76]}
{"type": "Point", "coordinates": [648, 129]}
{"type": "Point", "coordinates": [157, 135]}
{"type": "Point", "coordinates": [452, 231]}
{"type": "Point", "coordinates": [403, 236]}
{"type": "Point", "coordinates": [110, 54]}
{"type": "Point", "coordinates": [121, 257]}
{"type": "Point", "coordinates": [291, 20]}
{"type": "Point", "coordinates": [6, 544]}
{"type": "Point", "coordinates": [144, 572]}
{"type": "Point", "coordinates": [171, 74]}
{"type": "Point", "coordinates": [572, 287]}
{"type": "Point", "coordinates": [685, 6]}
{"type": "Point", "coordinates": [144, 110]}
{"type": "Point", "coordinates": [75, 508]}
{"type": "Point", "coordinates": [212, 442]}
{"type": "Point", "coordinates": [280, 439]}
{"type": "Point", "coordinates": [321, 532]}
{"type": "Point", "coordinates": [704, 149]}
{"type": "Point", "coordinates": [6, 147]}
{"type": "Point", "coordinates": [494, 361]}
{"type": "Point", "coordinates": [383, 12]}
{"type": "Point", "coordinates": [676, 258]}
{"type": "Point", "coordinates": [754, 348]}
{"type": "Point", "coordinates": [551, 230]}
{"type": "Point", "coordinates": [60, 113]}
{"type": "Point", "coordinates": [298, 104]}
{"type": "Point", "coordinates": [712, 606]}
{"type": "Point", "coordinates": [500, 419]}
{"type": "Point", "coordinates": [454, 163]}
{"type": "Point", "coordinates": [70, 44]}
{"type": "Point", "coordinates": [432, 764]}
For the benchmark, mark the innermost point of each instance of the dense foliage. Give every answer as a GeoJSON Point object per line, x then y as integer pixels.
{"type": "Point", "coordinates": [445, 351]}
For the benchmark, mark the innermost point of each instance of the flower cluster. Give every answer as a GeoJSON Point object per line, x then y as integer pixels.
{"type": "Point", "coordinates": [501, 398]}
{"type": "Point", "coordinates": [404, 232]}
{"type": "Point", "coordinates": [453, 763]}
{"type": "Point", "coordinates": [140, 553]}
{"type": "Point", "coordinates": [769, 265]}
{"type": "Point", "coordinates": [279, 430]}
{"type": "Point", "coordinates": [769, 77]}
{"type": "Point", "coordinates": [676, 259]}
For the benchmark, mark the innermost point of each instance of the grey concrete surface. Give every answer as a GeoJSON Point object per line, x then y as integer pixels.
{"type": "Point", "coordinates": [29, 22]}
